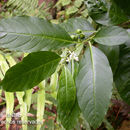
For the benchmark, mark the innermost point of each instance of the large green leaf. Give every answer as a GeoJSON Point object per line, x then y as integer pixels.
{"type": "Point", "coordinates": [94, 85]}
{"type": "Point", "coordinates": [106, 12]}
{"type": "Point", "coordinates": [68, 109]}
{"type": "Point", "coordinates": [112, 53]}
{"type": "Point", "coordinates": [78, 23]}
{"type": "Point", "coordinates": [31, 71]}
{"type": "Point", "coordinates": [122, 76]}
{"type": "Point", "coordinates": [117, 15]}
{"type": "Point", "coordinates": [111, 35]}
{"type": "Point", "coordinates": [29, 34]}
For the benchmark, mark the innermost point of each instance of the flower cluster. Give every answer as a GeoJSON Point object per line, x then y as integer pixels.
{"type": "Point", "coordinates": [72, 56]}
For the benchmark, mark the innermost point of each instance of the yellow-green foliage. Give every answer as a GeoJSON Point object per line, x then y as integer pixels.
{"type": "Point", "coordinates": [26, 7]}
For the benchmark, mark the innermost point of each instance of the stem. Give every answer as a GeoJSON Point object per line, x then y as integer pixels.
{"type": "Point", "coordinates": [89, 38]}
{"type": "Point", "coordinates": [85, 31]}
{"type": "Point", "coordinates": [72, 67]}
{"type": "Point", "coordinates": [40, 104]}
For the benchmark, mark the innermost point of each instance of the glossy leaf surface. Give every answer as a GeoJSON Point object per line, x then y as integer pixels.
{"type": "Point", "coordinates": [94, 85]}
{"type": "Point", "coordinates": [112, 53]}
{"type": "Point", "coordinates": [117, 15]}
{"type": "Point", "coordinates": [78, 23]}
{"type": "Point", "coordinates": [31, 71]}
{"type": "Point", "coordinates": [68, 110]}
{"type": "Point", "coordinates": [29, 34]}
{"type": "Point", "coordinates": [111, 35]}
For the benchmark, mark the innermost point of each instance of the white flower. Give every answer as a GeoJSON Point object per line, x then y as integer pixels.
{"type": "Point", "coordinates": [72, 56]}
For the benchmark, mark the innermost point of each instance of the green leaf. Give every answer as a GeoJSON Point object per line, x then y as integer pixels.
{"type": "Point", "coordinates": [117, 15]}
{"type": "Point", "coordinates": [34, 68]}
{"type": "Point", "coordinates": [111, 35]}
{"type": "Point", "coordinates": [112, 15]}
{"type": "Point", "coordinates": [122, 76]}
{"type": "Point", "coordinates": [102, 18]}
{"type": "Point", "coordinates": [29, 34]}
{"type": "Point", "coordinates": [112, 53]}
{"type": "Point", "coordinates": [71, 10]}
{"type": "Point", "coordinates": [28, 98]}
{"type": "Point", "coordinates": [54, 84]}
{"type": "Point", "coordinates": [9, 96]}
{"type": "Point", "coordinates": [40, 104]}
{"type": "Point", "coordinates": [94, 86]}
{"type": "Point", "coordinates": [84, 13]}
{"type": "Point", "coordinates": [65, 2]}
{"type": "Point", "coordinates": [124, 5]}
{"type": "Point", "coordinates": [68, 109]}
{"type": "Point", "coordinates": [108, 125]}
{"type": "Point", "coordinates": [78, 23]}
{"type": "Point", "coordinates": [78, 3]}
{"type": "Point", "coordinates": [9, 107]}
{"type": "Point", "coordinates": [23, 110]}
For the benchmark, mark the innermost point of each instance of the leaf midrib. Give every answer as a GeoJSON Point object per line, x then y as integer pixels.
{"type": "Point", "coordinates": [40, 35]}
{"type": "Point", "coordinates": [93, 68]}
